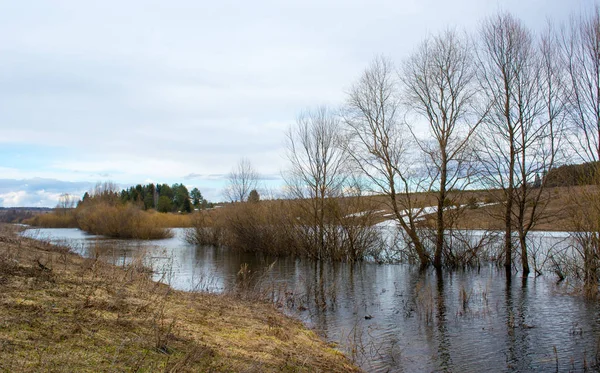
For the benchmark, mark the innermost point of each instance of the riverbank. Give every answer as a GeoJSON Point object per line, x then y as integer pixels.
{"type": "Point", "coordinates": [62, 312]}
{"type": "Point", "coordinates": [481, 209]}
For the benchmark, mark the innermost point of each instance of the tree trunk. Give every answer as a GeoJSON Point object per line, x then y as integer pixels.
{"type": "Point", "coordinates": [439, 244]}
{"type": "Point", "coordinates": [524, 257]}
{"type": "Point", "coordinates": [412, 234]}
{"type": "Point", "coordinates": [511, 182]}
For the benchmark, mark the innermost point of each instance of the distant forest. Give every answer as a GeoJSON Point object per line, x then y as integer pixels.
{"type": "Point", "coordinates": [163, 198]}
{"type": "Point", "coordinates": [572, 174]}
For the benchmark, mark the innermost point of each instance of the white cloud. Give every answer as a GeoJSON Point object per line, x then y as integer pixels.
{"type": "Point", "coordinates": [23, 198]}
{"type": "Point", "coordinates": [13, 199]}
{"type": "Point", "coordinates": [138, 90]}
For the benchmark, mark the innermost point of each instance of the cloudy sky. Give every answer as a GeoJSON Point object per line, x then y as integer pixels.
{"type": "Point", "coordinates": [144, 91]}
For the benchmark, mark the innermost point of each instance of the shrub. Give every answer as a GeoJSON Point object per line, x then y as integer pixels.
{"type": "Point", "coordinates": [118, 221]}
{"type": "Point", "coordinates": [164, 204]}
{"type": "Point", "coordinates": [260, 227]}
{"type": "Point", "coordinates": [286, 228]}
{"type": "Point", "coordinates": [204, 231]}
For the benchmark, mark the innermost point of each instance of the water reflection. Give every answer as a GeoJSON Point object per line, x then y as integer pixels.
{"type": "Point", "coordinates": [390, 318]}
{"type": "Point", "coordinates": [442, 328]}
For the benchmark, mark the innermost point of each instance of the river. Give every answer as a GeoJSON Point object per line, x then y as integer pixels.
{"type": "Point", "coordinates": [388, 317]}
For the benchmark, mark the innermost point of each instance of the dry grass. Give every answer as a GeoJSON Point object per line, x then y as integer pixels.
{"type": "Point", "coordinates": [60, 312]}
{"type": "Point", "coordinates": [170, 220]}
{"type": "Point", "coordinates": [53, 220]}
{"type": "Point", "coordinates": [472, 215]}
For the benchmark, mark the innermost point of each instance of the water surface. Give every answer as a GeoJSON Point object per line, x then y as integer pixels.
{"type": "Point", "coordinates": [389, 318]}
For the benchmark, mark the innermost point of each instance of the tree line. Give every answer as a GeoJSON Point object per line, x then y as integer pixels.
{"type": "Point", "coordinates": [160, 197]}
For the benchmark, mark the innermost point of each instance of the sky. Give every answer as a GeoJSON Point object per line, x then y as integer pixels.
{"type": "Point", "coordinates": [178, 91]}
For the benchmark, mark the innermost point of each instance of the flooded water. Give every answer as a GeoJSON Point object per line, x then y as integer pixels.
{"type": "Point", "coordinates": [390, 318]}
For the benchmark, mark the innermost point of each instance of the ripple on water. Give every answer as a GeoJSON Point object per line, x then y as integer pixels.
{"type": "Point", "coordinates": [465, 321]}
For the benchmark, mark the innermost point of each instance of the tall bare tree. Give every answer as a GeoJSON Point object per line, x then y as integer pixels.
{"type": "Point", "coordinates": [541, 138]}
{"type": "Point", "coordinates": [241, 180]}
{"type": "Point", "coordinates": [439, 87]}
{"type": "Point", "coordinates": [379, 143]}
{"type": "Point", "coordinates": [581, 47]}
{"type": "Point", "coordinates": [318, 171]}
{"type": "Point", "coordinates": [581, 50]}
{"type": "Point", "coordinates": [518, 138]}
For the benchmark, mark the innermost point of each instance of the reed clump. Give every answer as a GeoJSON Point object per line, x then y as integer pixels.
{"type": "Point", "coordinates": [284, 227]}
{"type": "Point", "coordinates": [119, 221]}
{"type": "Point", "coordinates": [267, 228]}
{"type": "Point", "coordinates": [206, 231]}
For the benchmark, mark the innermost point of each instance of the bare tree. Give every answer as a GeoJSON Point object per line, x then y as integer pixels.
{"type": "Point", "coordinates": [317, 174]}
{"type": "Point", "coordinates": [439, 87]}
{"type": "Point", "coordinates": [540, 139]}
{"type": "Point", "coordinates": [379, 143]}
{"type": "Point", "coordinates": [107, 192]}
{"type": "Point", "coordinates": [66, 202]}
{"type": "Point", "coordinates": [581, 48]}
{"type": "Point", "coordinates": [519, 136]}
{"type": "Point", "coordinates": [241, 180]}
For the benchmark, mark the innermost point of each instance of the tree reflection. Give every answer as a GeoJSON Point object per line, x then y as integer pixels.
{"type": "Point", "coordinates": [445, 360]}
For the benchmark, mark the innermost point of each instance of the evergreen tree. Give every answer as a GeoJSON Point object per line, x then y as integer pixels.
{"type": "Point", "coordinates": [148, 202]}
{"type": "Point", "coordinates": [164, 204]}
{"type": "Point", "coordinates": [197, 199]}
{"type": "Point", "coordinates": [166, 191]}
{"type": "Point", "coordinates": [180, 195]}
{"type": "Point", "coordinates": [253, 196]}
{"type": "Point", "coordinates": [187, 205]}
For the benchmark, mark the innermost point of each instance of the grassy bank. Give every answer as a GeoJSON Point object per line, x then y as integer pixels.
{"type": "Point", "coordinates": [61, 312]}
